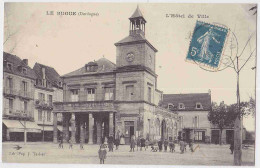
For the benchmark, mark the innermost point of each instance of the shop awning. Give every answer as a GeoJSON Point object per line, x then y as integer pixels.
{"type": "Point", "coordinates": [18, 126]}
{"type": "Point", "coordinates": [47, 128]}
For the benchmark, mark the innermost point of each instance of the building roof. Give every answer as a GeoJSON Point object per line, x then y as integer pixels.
{"type": "Point", "coordinates": [135, 39]}
{"type": "Point", "coordinates": [104, 66]}
{"type": "Point", "coordinates": [189, 101]}
{"type": "Point", "coordinates": [51, 74]}
{"type": "Point", "coordinates": [17, 64]}
{"type": "Point", "coordinates": [137, 14]}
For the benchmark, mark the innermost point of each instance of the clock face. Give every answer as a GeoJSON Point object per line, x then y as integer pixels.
{"type": "Point", "coordinates": [130, 57]}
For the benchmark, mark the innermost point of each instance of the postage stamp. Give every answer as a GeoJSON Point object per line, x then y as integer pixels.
{"type": "Point", "coordinates": [207, 44]}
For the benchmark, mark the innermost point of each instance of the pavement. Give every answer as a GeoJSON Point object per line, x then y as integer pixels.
{"type": "Point", "coordinates": [204, 154]}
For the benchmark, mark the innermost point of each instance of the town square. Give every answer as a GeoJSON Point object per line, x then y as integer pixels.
{"type": "Point", "coordinates": [129, 87]}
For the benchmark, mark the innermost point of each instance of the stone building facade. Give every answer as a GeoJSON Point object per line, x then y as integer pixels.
{"type": "Point", "coordinates": [48, 89]}
{"type": "Point", "coordinates": [18, 100]}
{"type": "Point", "coordinates": [105, 99]}
{"type": "Point", "coordinates": [192, 109]}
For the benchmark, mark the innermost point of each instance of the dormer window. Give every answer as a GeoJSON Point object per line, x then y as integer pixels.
{"type": "Point", "coordinates": [24, 70]}
{"type": "Point", "coordinates": [9, 66]}
{"type": "Point", "coordinates": [181, 106]}
{"type": "Point", "coordinates": [170, 106]}
{"type": "Point", "coordinates": [198, 106]}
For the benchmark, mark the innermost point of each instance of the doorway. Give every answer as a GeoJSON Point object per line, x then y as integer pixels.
{"type": "Point", "coordinates": [215, 136]}
{"type": "Point", "coordinates": [129, 131]}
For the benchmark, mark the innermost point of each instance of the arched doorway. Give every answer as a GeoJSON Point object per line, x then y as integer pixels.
{"type": "Point", "coordinates": [164, 130]}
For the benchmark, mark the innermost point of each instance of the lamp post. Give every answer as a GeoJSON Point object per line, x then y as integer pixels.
{"type": "Point", "coordinates": [43, 126]}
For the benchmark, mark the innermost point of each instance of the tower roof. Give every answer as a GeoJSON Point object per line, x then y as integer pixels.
{"type": "Point", "coordinates": [137, 14]}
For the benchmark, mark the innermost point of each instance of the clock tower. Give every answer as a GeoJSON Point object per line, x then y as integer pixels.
{"type": "Point", "coordinates": [136, 79]}
{"type": "Point", "coordinates": [135, 51]}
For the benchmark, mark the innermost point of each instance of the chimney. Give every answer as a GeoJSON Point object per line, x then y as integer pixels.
{"type": "Point", "coordinates": [43, 73]}
{"type": "Point", "coordinates": [209, 92]}
{"type": "Point", "coordinates": [25, 61]}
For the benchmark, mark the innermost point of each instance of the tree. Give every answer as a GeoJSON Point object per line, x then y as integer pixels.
{"type": "Point", "coordinates": [221, 117]}
{"type": "Point", "coordinates": [10, 34]}
{"type": "Point", "coordinates": [236, 60]}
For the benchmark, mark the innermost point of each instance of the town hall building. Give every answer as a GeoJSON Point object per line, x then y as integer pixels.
{"type": "Point", "coordinates": [104, 99]}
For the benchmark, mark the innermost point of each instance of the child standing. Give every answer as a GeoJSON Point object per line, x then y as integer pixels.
{"type": "Point", "coordinates": [102, 153]}
{"type": "Point", "coordinates": [70, 144]}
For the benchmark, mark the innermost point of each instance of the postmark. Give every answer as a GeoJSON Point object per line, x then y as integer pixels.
{"type": "Point", "coordinates": [207, 44]}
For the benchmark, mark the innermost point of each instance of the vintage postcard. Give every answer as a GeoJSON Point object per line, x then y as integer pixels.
{"type": "Point", "coordinates": [129, 83]}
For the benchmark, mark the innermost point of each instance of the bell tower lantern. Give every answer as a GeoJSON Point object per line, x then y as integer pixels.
{"type": "Point", "coordinates": [137, 23]}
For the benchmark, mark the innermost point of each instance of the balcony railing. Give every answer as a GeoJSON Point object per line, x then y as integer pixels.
{"type": "Point", "coordinates": [26, 94]}
{"type": "Point", "coordinates": [17, 114]}
{"type": "Point", "coordinates": [10, 91]}
{"type": "Point", "coordinates": [43, 104]}
{"type": "Point", "coordinates": [87, 106]}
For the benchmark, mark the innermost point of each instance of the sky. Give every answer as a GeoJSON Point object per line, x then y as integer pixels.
{"type": "Point", "coordinates": [67, 43]}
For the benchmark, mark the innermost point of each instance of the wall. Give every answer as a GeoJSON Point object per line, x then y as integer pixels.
{"type": "Point", "coordinates": [81, 83]}
{"type": "Point", "coordinates": [44, 111]}
{"type": "Point", "coordinates": [17, 88]}
{"type": "Point", "coordinates": [131, 78]}
{"type": "Point", "coordinates": [188, 120]}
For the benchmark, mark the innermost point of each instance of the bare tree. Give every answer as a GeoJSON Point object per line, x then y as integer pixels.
{"type": "Point", "coordinates": [9, 34]}
{"type": "Point", "coordinates": [237, 61]}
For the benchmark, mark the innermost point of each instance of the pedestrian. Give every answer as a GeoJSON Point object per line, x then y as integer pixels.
{"type": "Point", "coordinates": [70, 144]}
{"type": "Point", "coordinates": [110, 142]}
{"type": "Point", "coordinates": [122, 139]}
{"type": "Point", "coordinates": [142, 143]}
{"type": "Point", "coordinates": [105, 142]}
{"type": "Point", "coordinates": [165, 143]}
{"type": "Point", "coordinates": [61, 143]}
{"type": "Point", "coordinates": [138, 143]}
{"type": "Point", "coordinates": [171, 145]}
{"type": "Point", "coordinates": [102, 153]}
{"type": "Point", "coordinates": [191, 146]}
{"type": "Point", "coordinates": [117, 142]}
{"type": "Point", "coordinates": [132, 144]}
{"type": "Point", "coordinates": [182, 146]}
{"type": "Point", "coordinates": [231, 146]}
{"type": "Point", "coordinates": [81, 147]}
{"type": "Point", "coordinates": [160, 145]}
{"type": "Point", "coordinates": [146, 144]}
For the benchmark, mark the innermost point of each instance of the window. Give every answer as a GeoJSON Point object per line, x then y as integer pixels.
{"type": "Point", "coordinates": [41, 97]}
{"type": "Point", "coordinates": [149, 126]}
{"type": "Point", "coordinates": [39, 115]}
{"type": "Point", "coordinates": [48, 116]}
{"type": "Point", "coordinates": [196, 121]}
{"type": "Point", "coordinates": [11, 105]}
{"type": "Point", "coordinates": [149, 95]}
{"type": "Point", "coordinates": [9, 66]}
{"type": "Point", "coordinates": [109, 93]}
{"type": "Point", "coordinates": [129, 92]}
{"type": "Point", "coordinates": [25, 104]}
{"type": "Point", "coordinates": [181, 106]}
{"type": "Point", "coordinates": [181, 121]}
{"type": "Point", "coordinates": [170, 106]}
{"type": "Point", "coordinates": [24, 71]}
{"type": "Point", "coordinates": [198, 135]}
{"type": "Point", "coordinates": [90, 94]}
{"type": "Point", "coordinates": [75, 95]}
{"type": "Point", "coordinates": [24, 85]}
{"type": "Point", "coordinates": [50, 100]}
{"type": "Point", "coordinates": [198, 106]}
{"type": "Point", "coordinates": [10, 83]}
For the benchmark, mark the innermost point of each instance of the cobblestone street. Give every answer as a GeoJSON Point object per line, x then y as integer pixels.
{"type": "Point", "coordinates": [50, 153]}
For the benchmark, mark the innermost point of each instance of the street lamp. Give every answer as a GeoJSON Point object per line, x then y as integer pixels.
{"type": "Point", "coordinates": [43, 126]}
